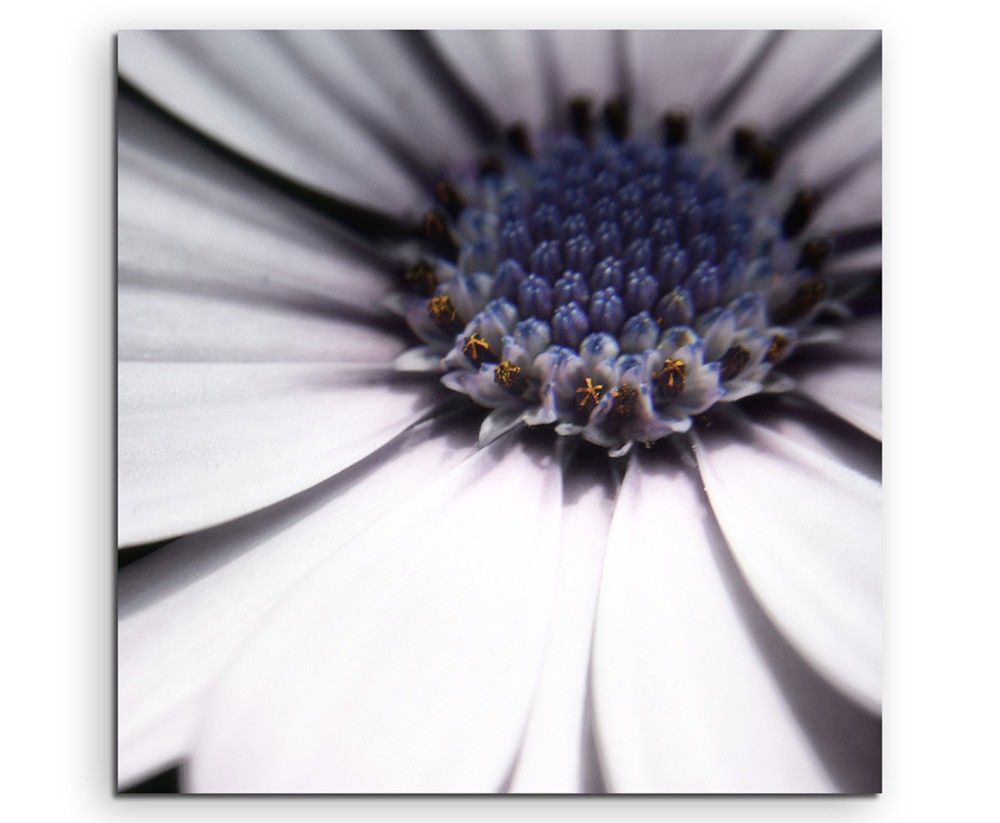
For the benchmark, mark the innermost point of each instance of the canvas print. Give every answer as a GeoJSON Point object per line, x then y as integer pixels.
{"type": "Point", "coordinates": [499, 412]}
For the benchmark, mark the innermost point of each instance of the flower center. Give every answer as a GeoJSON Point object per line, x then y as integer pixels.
{"type": "Point", "coordinates": [605, 267]}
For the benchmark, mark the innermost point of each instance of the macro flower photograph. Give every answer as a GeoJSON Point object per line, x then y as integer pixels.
{"type": "Point", "coordinates": [499, 412]}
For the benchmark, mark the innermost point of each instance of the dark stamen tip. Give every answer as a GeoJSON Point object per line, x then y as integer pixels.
{"type": "Point", "coordinates": [734, 361]}
{"type": "Point", "coordinates": [807, 296]}
{"type": "Point", "coordinates": [759, 156]}
{"type": "Point", "coordinates": [434, 229]}
{"type": "Point", "coordinates": [490, 166]}
{"type": "Point", "coordinates": [815, 252]}
{"type": "Point", "coordinates": [616, 117]}
{"type": "Point", "coordinates": [580, 118]}
{"type": "Point", "coordinates": [518, 139]}
{"type": "Point", "coordinates": [744, 139]}
{"type": "Point", "coordinates": [676, 127]}
{"type": "Point", "coordinates": [421, 277]}
{"type": "Point", "coordinates": [778, 348]}
{"type": "Point", "coordinates": [448, 195]}
{"type": "Point", "coordinates": [800, 211]}
{"type": "Point", "coordinates": [764, 160]}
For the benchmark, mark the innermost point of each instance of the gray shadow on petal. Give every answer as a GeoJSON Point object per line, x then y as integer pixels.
{"type": "Point", "coordinates": [586, 466]}
{"type": "Point", "coordinates": [247, 294]}
{"type": "Point", "coordinates": [846, 738]}
{"type": "Point", "coordinates": [848, 172]}
{"type": "Point", "coordinates": [855, 79]}
{"type": "Point", "coordinates": [592, 780]}
{"type": "Point", "coordinates": [582, 466]}
{"type": "Point", "coordinates": [854, 448]}
{"type": "Point", "coordinates": [464, 101]}
{"type": "Point", "coordinates": [154, 577]}
{"type": "Point", "coordinates": [339, 101]}
{"type": "Point", "coordinates": [166, 154]}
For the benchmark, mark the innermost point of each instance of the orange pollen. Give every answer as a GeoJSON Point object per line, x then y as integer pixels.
{"type": "Point", "coordinates": [433, 224]}
{"type": "Point", "coordinates": [474, 346]}
{"type": "Point", "coordinates": [589, 393]}
{"type": "Point", "coordinates": [422, 277]}
{"type": "Point", "coordinates": [507, 375]}
{"type": "Point", "coordinates": [777, 349]}
{"type": "Point", "coordinates": [442, 309]}
{"type": "Point", "coordinates": [671, 376]}
{"type": "Point", "coordinates": [624, 400]}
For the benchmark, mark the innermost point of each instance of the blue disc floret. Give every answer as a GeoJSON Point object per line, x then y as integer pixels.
{"type": "Point", "coordinates": [613, 284]}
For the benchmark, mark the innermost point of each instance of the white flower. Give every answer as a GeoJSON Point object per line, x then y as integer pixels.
{"type": "Point", "coordinates": [355, 595]}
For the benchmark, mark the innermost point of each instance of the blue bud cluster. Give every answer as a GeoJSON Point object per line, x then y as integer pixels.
{"type": "Point", "coordinates": [656, 280]}
{"type": "Point", "coordinates": [604, 235]}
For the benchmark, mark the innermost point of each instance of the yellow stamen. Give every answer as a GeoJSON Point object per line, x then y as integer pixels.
{"type": "Point", "coordinates": [733, 361]}
{"type": "Point", "coordinates": [475, 346]}
{"type": "Point", "coordinates": [623, 400]}
{"type": "Point", "coordinates": [671, 376]}
{"type": "Point", "coordinates": [807, 296]}
{"type": "Point", "coordinates": [777, 349]}
{"type": "Point", "coordinates": [508, 376]}
{"type": "Point", "coordinates": [590, 392]}
{"type": "Point", "coordinates": [442, 310]}
{"type": "Point", "coordinates": [422, 277]}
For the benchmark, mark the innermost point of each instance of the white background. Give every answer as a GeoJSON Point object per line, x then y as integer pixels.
{"type": "Point", "coordinates": [942, 362]}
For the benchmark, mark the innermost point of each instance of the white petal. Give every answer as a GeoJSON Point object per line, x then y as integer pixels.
{"type": "Point", "coordinates": [213, 266]}
{"type": "Point", "coordinates": [408, 661]}
{"type": "Point", "coordinates": [859, 338]}
{"type": "Point", "coordinates": [844, 267]}
{"type": "Point", "coordinates": [243, 89]}
{"type": "Point", "coordinates": [684, 699]}
{"type": "Point", "coordinates": [685, 69]}
{"type": "Point", "coordinates": [159, 324]}
{"type": "Point", "coordinates": [858, 202]}
{"type": "Point", "coordinates": [803, 65]}
{"type": "Point", "coordinates": [821, 433]}
{"type": "Point", "coordinates": [863, 337]}
{"type": "Point", "coordinates": [171, 184]}
{"type": "Point", "coordinates": [497, 423]}
{"type": "Point", "coordinates": [200, 443]}
{"type": "Point", "coordinates": [851, 389]}
{"type": "Point", "coordinates": [555, 755]}
{"type": "Point", "coordinates": [506, 68]}
{"type": "Point", "coordinates": [806, 531]}
{"type": "Point", "coordinates": [419, 359]}
{"type": "Point", "coordinates": [850, 139]}
{"type": "Point", "coordinates": [584, 63]}
{"type": "Point", "coordinates": [184, 610]}
{"type": "Point", "coordinates": [373, 77]}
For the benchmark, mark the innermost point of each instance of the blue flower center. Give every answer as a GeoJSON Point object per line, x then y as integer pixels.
{"type": "Point", "coordinates": [616, 286]}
